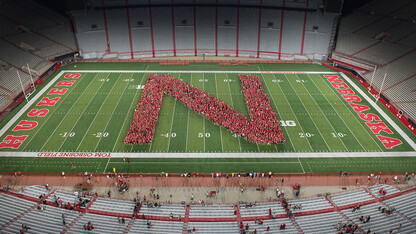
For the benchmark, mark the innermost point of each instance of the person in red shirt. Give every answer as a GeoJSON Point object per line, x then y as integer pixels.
{"type": "Point", "coordinates": [247, 226]}
{"type": "Point", "coordinates": [268, 228]}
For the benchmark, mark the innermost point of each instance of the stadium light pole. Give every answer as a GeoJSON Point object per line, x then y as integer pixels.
{"type": "Point", "coordinates": [31, 78]}
{"type": "Point", "coordinates": [18, 75]}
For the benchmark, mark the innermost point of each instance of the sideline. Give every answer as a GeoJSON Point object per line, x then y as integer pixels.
{"type": "Point", "coordinates": [30, 103]}
{"type": "Point", "coordinates": [379, 110]}
{"type": "Point", "coordinates": [210, 155]}
{"type": "Point", "coordinates": [187, 71]}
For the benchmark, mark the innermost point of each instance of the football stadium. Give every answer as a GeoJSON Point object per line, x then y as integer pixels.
{"type": "Point", "coordinates": [207, 116]}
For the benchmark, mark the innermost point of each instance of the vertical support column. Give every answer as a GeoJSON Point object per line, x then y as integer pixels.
{"type": "Point", "coordinates": [128, 24]}
{"type": "Point", "coordinates": [216, 28]}
{"type": "Point", "coordinates": [106, 28]}
{"type": "Point", "coordinates": [195, 45]}
{"type": "Point", "coordinates": [281, 29]}
{"type": "Point", "coordinates": [304, 26]}
{"type": "Point", "coordinates": [238, 28]}
{"type": "Point", "coordinates": [258, 37]}
{"type": "Point", "coordinates": [173, 30]}
{"type": "Point", "coordinates": [151, 29]}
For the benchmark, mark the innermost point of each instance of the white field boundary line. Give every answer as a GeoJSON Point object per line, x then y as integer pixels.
{"type": "Point", "coordinates": [187, 71]}
{"type": "Point", "coordinates": [379, 110]}
{"type": "Point", "coordinates": [30, 103]}
{"type": "Point", "coordinates": [220, 155]}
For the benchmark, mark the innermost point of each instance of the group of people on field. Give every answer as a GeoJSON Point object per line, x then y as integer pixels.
{"type": "Point", "coordinates": [262, 127]}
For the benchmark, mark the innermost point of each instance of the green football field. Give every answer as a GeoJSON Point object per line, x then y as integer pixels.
{"type": "Point", "coordinates": [94, 114]}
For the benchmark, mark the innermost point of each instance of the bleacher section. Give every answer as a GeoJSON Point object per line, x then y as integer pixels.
{"type": "Point", "coordinates": [389, 190]}
{"type": "Point", "coordinates": [223, 38]}
{"type": "Point", "coordinates": [261, 209]}
{"type": "Point", "coordinates": [214, 227]}
{"type": "Point", "coordinates": [44, 221]}
{"type": "Point", "coordinates": [379, 222]}
{"type": "Point", "coordinates": [113, 205]}
{"type": "Point", "coordinates": [101, 223]}
{"type": "Point", "coordinates": [405, 205]}
{"type": "Point", "coordinates": [140, 226]}
{"type": "Point", "coordinates": [213, 211]}
{"type": "Point", "coordinates": [274, 225]}
{"type": "Point", "coordinates": [35, 191]}
{"type": "Point", "coordinates": [309, 204]}
{"type": "Point", "coordinates": [317, 214]}
{"type": "Point", "coordinates": [319, 223]}
{"type": "Point", "coordinates": [165, 210]}
{"type": "Point", "coordinates": [14, 207]}
{"type": "Point", "coordinates": [27, 25]}
{"type": "Point", "coordinates": [350, 197]}
{"type": "Point", "coordinates": [382, 33]}
{"type": "Point", "coordinates": [68, 197]}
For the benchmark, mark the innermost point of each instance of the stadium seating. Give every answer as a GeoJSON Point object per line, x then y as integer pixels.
{"type": "Point", "coordinates": [214, 227]}
{"type": "Point", "coordinates": [164, 210]}
{"type": "Point", "coordinates": [215, 211]}
{"type": "Point", "coordinates": [48, 220]}
{"type": "Point", "coordinates": [389, 190]}
{"type": "Point", "coordinates": [310, 204]}
{"type": "Point", "coordinates": [404, 205]}
{"type": "Point", "coordinates": [93, 42]}
{"type": "Point", "coordinates": [261, 209]}
{"type": "Point", "coordinates": [113, 205]}
{"type": "Point", "coordinates": [320, 223]}
{"type": "Point", "coordinates": [274, 225]}
{"type": "Point", "coordinates": [14, 207]}
{"type": "Point", "coordinates": [101, 223]}
{"type": "Point", "coordinates": [35, 191]}
{"type": "Point", "coordinates": [359, 40]}
{"type": "Point", "coordinates": [317, 215]}
{"type": "Point", "coordinates": [350, 197]}
{"type": "Point", "coordinates": [140, 226]}
{"type": "Point", "coordinates": [379, 222]}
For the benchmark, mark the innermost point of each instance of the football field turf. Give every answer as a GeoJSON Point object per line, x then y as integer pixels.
{"type": "Point", "coordinates": [94, 114]}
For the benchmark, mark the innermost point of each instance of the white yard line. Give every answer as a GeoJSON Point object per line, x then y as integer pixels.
{"type": "Point", "coordinates": [171, 123]}
{"type": "Point", "coordinates": [327, 120]}
{"type": "Point", "coordinates": [115, 107]}
{"type": "Point", "coordinates": [232, 103]}
{"type": "Point", "coordinates": [67, 114]}
{"type": "Point", "coordinates": [187, 125]}
{"type": "Point", "coordinates": [309, 114]}
{"type": "Point", "coordinates": [301, 165]}
{"type": "Point", "coordinates": [379, 110]}
{"type": "Point", "coordinates": [106, 165]}
{"type": "Point", "coordinates": [125, 118]}
{"type": "Point", "coordinates": [277, 108]}
{"type": "Point", "coordinates": [30, 103]}
{"type": "Point", "coordinates": [300, 125]}
{"type": "Point", "coordinates": [51, 114]}
{"type": "Point", "coordinates": [354, 114]}
{"type": "Point", "coordinates": [216, 89]}
{"type": "Point", "coordinates": [79, 117]}
{"type": "Point", "coordinates": [338, 113]}
{"type": "Point", "coordinates": [203, 118]}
